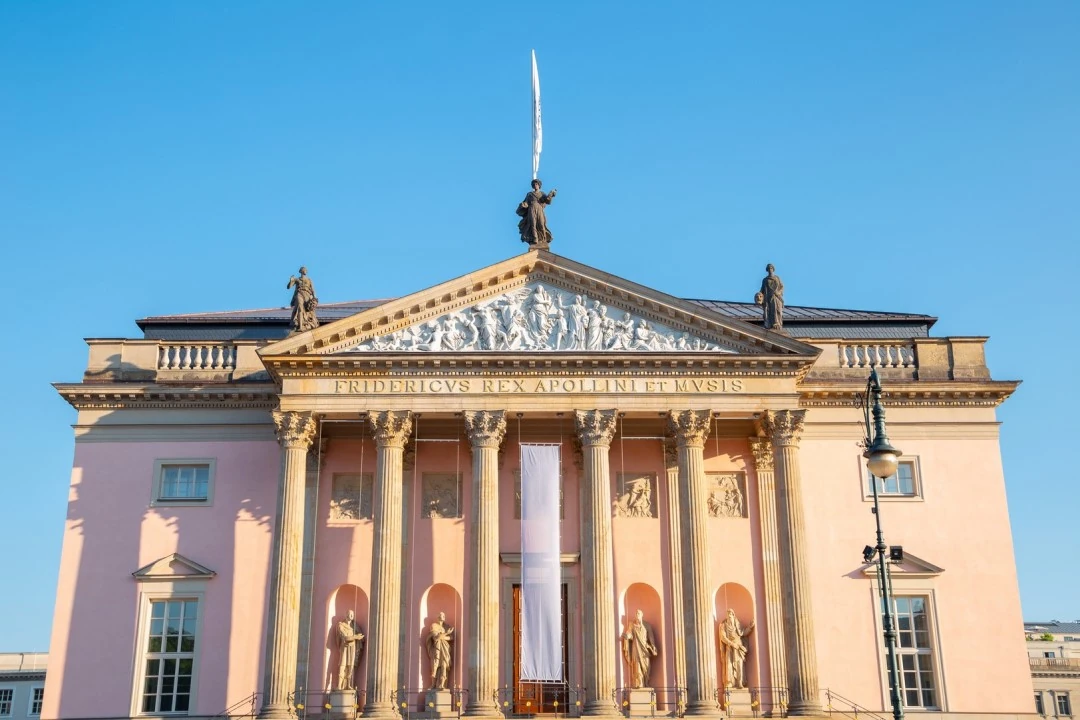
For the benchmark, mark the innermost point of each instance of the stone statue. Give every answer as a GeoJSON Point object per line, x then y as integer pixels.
{"type": "Point", "coordinates": [350, 642]}
{"type": "Point", "coordinates": [439, 637]}
{"type": "Point", "coordinates": [771, 299]}
{"type": "Point", "coordinates": [639, 648]}
{"type": "Point", "coordinates": [731, 642]}
{"type": "Point", "coordinates": [533, 225]}
{"type": "Point", "coordinates": [303, 303]}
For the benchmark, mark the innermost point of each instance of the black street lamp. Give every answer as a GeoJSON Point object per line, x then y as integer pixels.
{"type": "Point", "coordinates": [882, 462]}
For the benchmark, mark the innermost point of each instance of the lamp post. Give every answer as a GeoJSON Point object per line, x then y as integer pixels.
{"type": "Point", "coordinates": [882, 462]}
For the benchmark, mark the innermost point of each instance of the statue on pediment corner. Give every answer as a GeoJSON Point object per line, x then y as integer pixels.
{"type": "Point", "coordinates": [303, 303]}
{"type": "Point", "coordinates": [771, 300]}
{"type": "Point", "coordinates": [533, 225]}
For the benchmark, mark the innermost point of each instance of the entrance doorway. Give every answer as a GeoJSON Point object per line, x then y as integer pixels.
{"type": "Point", "coordinates": [540, 697]}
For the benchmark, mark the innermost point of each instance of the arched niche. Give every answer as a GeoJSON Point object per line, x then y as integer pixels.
{"type": "Point", "coordinates": [735, 597]}
{"type": "Point", "coordinates": [440, 598]}
{"type": "Point", "coordinates": [343, 599]}
{"type": "Point", "coordinates": [643, 597]}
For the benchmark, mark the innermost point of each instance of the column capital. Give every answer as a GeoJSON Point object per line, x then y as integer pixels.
{"type": "Point", "coordinates": [595, 427]}
{"type": "Point", "coordinates": [390, 428]}
{"type": "Point", "coordinates": [784, 427]}
{"type": "Point", "coordinates": [485, 428]}
{"type": "Point", "coordinates": [294, 429]}
{"type": "Point", "coordinates": [690, 427]}
{"type": "Point", "coordinates": [763, 453]}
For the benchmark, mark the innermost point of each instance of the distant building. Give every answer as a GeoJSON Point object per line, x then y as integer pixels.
{"type": "Point", "coordinates": [1054, 657]}
{"type": "Point", "coordinates": [22, 684]}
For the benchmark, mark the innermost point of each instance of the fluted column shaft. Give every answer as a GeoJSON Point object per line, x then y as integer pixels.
{"type": "Point", "coordinates": [595, 428]}
{"type": "Point", "coordinates": [674, 535]}
{"type": "Point", "coordinates": [770, 553]}
{"type": "Point", "coordinates": [691, 428]}
{"type": "Point", "coordinates": [486, 431]}
{"type": "Point", "coordinates": [295, 432]}
{"type": "Point", "coordinates": [391, 430]}
{"type": "Point", "coordinates": [785, 427]}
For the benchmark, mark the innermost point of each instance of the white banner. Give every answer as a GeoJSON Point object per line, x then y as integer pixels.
{"type": "Point", "coordinates": [541, 581]}
{"type": "Point", "coordinates": [538, 128]}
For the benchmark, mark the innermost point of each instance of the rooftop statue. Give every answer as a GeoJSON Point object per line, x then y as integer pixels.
{"type": "Point", "coordinates": [303, 303]}
{"type": "Point", "coordinates": [771, 299]}
{"type": "Point", "coordinates": [533, 225]}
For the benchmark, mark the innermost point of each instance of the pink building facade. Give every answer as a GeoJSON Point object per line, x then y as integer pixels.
{"type": "Point", "coordinates": [238, 489]}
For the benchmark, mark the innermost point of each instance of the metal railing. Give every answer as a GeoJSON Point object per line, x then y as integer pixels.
{"type": "Point", "coordinates": [755, 702]}
{"type": "Point", "coordinates": [249, 706]}
{"type": "Point", "coordinates": [413, 701]}
{"type": "Point", "coordinates": [663, 701]}
{"type": "Point", "coordinates": [316, 703]}
{"type": "Point", "coordinates": [529, 699]}
{"type": "Point", "coordinates": [836, 704]}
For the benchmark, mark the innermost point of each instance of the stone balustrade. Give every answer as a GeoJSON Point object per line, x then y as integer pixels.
{"type": "Point", "coordinates": [170, 361]}
{"type": "Point", "coordinates": [929, 359]}
{"type": "Point", "coordinates": [877, 354]}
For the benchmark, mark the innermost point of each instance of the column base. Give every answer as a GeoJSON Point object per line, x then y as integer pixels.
{"type": "Point", "coordinates": [703, 708]}
{"type": "Point", "coordinates": [481, 710]}
{"type": "Point", "coordinates": [804, 708]}
{"type": "Point", "coordinates": [275, 712]}
{"type": "Point", "coordinates": [600, 708]}
{"type": "Point", "coordinates": [380, 710]}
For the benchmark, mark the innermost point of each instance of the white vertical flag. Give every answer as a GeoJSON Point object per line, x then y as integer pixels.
{"type": "Point", "coordinates": [541, 579]}
{"type": "Point", "coordinates": [538, 128]}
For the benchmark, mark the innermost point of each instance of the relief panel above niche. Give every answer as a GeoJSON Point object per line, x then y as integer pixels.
{"type": "Point", "coordinates": [541, 318]}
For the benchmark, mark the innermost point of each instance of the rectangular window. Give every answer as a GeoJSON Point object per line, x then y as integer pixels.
{"type": "Point", "coordinates": [903, 483]}
{"type": "Point", "coordinates": [1064, 707]}
{"type": "Point", "coordinates": [1039, 704]}
{"type": "Point", "coordinates": [37, 696]}
{"type": "Point", "coordinates": [1050, 654]}
{"type": "Point", "coordinates": [184, 482]}
{"type": "Point", "coordinates": [170, 656]}
{"type": "Point", "coordinates": [918, 684]}
{"type": "Point", "coordinates": [7, 697]}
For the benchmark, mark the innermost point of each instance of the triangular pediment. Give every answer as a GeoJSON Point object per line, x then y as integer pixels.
{"type": "Point", "coordinates": [912, 566]}
{"type": "Point", "coordinates": [544, 303]}
{"type": "Point", "coordinates": [173, 567]}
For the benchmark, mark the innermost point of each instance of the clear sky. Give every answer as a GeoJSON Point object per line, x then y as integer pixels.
{"type": "Point", "coordinates": [174, 157]}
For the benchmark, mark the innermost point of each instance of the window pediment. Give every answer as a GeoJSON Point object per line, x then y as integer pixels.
{"type": "Point", "coordinates": [173, 567]}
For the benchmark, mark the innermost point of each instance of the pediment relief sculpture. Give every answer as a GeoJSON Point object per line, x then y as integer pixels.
{"type": "Point", "coordinates": [543, 318]}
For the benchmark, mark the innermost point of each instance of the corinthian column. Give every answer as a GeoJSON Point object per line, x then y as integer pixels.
{"type": "Point", "coordinates": [691, 428]}
{"type": "Point", "coordinates": [770, 554]}
{"type": "Point", "coordinates": [595, 428]}
{"type": "Point", "coordinates": [674, 534]}
{"type": "Point", "coordinates": [486, 431]}
{"type": "Point", "coordinates": [391, 430]}
{"type": "Point", "coordinates": [295, 431]}
{"type": "Point", "coordinates": [785, 427]}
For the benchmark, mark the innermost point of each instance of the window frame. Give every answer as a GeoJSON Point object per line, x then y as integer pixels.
{"type": "Point", "coordinates": [937, 656]}
{"type": "Point", "coordinates": [190, 590]}
{"type": "Point", "coordinates": [1059, 696]}
{"type": "Point", "coordinates": [916, 482]}
{"type": "Point", "coordinates": [30, 705]}
{"type": "Point", "coordinates": [11, 706]}
{"type": "Point", "coordinates": [156, 499]}
{"type": "Point", "coordinates": [1040, 704]}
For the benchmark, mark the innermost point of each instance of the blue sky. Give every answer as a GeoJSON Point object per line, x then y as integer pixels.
{"type": "Point", "coordinates": [181, 157]}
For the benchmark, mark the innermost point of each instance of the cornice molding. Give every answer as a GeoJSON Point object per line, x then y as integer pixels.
{"type": "Point", "coordinates": [916, 393]}
{"type": "Point", "coordinates": [117, 396]}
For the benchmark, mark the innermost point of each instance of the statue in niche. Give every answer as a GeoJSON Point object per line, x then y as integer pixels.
{"type": "Point", "coordinates": [726, 499]}
{"type": "Point", "coordinates": [533, 225]}
{"type": "Point", "coordinates": [303, 302]}
{"type": "Point", "coordinates": [731, 642]}
{"type": "Point", "coordinates": [637, 500]}
{"type": "Point", "coordinates": [771, 299]}
{"type": "Point", "coordinates": [639, 648]}
{"type": "Point", "coordinates": [440, 636]}
{"type": "Point", "coordinates": [350, 642]}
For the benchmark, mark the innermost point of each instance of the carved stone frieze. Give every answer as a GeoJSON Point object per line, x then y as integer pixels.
{"type": "Point", "coordinates": [726, 495]}
{"type": "Point", "coordinates": [294, 429]}
{"type": "Point", "coordinates": [485, 428]}
{"type": "Point", "coordinates": [763, 454]}
{"type": "Point", "coordinates": [350, 498]}
{"type": "Point", "coordinates": [538, 317]}
{"type": "Point", "coordinates": [595, 427]}
{"type": "Point", "coordinates": [390, 428]}
{"type": "Point", "coordinates": [441, 495]}
{"type": "Point", "coordinates": [636, 496]}
{"type": "Point", "coordinates": [784, 426]}
{"type": "Point", "coordinates": [690, 427]}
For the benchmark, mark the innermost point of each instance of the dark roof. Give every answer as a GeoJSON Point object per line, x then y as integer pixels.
{"type": "Point", "coordinates": [1053, 626]}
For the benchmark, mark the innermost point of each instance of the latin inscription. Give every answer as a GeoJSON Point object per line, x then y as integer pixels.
{"type": "Point", "coordinates": [536, 386]}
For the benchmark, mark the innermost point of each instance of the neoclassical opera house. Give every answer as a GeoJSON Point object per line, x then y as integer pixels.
{"type": "Point", "coordinates": [239, 489]}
